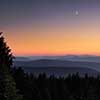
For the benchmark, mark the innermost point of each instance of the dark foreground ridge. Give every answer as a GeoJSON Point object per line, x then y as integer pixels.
{"type": "Point", "coordinates": [43, 87]}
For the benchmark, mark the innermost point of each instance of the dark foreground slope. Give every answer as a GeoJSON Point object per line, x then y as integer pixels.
{"type": "Point", "coordinates": [71, 87]}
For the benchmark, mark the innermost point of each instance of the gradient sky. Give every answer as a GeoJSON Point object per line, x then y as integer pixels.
{"type": "Point", "coordinates": [51, 27]}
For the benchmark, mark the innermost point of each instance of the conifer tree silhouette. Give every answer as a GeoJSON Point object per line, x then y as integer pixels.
{"type": "Point", "coordinates": [8, 89]}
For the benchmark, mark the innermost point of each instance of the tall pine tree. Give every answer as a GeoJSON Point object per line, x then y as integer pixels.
{"type": "Point", "coordinates": [8, 89]}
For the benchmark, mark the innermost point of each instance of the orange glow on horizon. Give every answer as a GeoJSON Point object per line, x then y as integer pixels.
{"type": "Point", "coordinates": [46, 40]}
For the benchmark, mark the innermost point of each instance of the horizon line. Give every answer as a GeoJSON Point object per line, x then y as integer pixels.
{"type": "Point", "coordinates": [56, 55]}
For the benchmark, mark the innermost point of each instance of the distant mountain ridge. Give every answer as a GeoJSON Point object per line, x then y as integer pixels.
{"type": "Point", "coordinates": [82, 58]}
{"type": "Point", "coordinates": [60, 64]}
{"type": "Point", "coordinates": [57, 63]}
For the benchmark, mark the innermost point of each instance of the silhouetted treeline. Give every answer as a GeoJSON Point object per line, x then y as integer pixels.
{"type": "Point", "coordinates": [8, 89]}
{"type": "Point", "coordinates": [71, 87]}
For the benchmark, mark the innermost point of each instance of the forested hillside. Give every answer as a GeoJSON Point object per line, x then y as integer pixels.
{"type": "Point", "coordinates": [41, 87]}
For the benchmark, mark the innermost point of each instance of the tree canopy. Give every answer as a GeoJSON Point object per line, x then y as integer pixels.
{"type": "Point", "coordinates": [8, 89]}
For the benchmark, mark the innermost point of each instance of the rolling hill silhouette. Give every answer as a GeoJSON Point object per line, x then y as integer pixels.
{"type": "Point", "coordinates": [59, 67]}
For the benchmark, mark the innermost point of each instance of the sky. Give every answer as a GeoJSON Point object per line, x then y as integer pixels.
{"type": "Point", "coordinates": [51, 27]}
